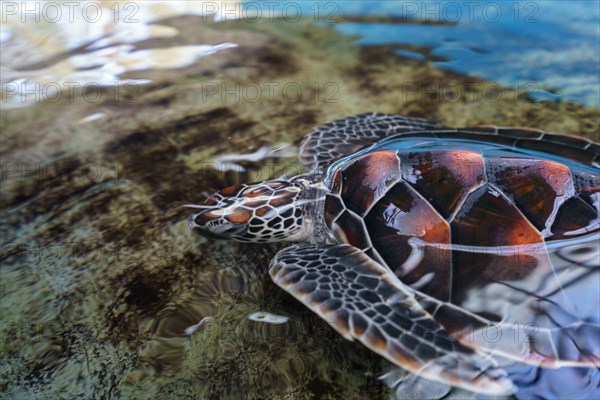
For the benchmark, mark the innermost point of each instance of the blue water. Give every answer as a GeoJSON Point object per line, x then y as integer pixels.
{"type": "Point", "coordinates": [547, 48]}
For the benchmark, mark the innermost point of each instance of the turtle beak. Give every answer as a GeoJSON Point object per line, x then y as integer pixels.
{"type": "Point", "coordinates": [229, 229]}
{"type": "Point", "coordinates": [200, 220]}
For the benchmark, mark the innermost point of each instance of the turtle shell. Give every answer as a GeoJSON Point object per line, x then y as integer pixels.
{"type": "Point", "coordinates": [481, 223]}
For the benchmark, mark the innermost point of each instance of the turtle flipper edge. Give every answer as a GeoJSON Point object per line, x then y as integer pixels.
{"type": "Point", "coordinates": [363, 301]}
{"type": "Point", "coordinates": [331, 141]}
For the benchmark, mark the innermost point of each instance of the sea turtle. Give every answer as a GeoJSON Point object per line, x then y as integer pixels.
{"type": "Point", "coordinates": [436, 248]}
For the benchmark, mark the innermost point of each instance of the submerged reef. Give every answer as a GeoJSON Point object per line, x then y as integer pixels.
{"type": "Point", "coordinates": [101, 277]}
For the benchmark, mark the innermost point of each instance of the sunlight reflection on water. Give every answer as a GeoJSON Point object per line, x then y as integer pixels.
{"type": "Point", "coordinates": [46, 54]}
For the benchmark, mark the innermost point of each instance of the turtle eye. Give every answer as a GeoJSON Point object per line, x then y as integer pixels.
{"type": "Point", "coordinates": [256, 192]}
{"type": "Point", "coordinates": [229, 191]}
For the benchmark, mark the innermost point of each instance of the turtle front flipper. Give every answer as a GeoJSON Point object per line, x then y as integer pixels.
{"type": "Point", "coordinates": [331, 141]}
{"type": "Point", "coordinates": [363, 301]}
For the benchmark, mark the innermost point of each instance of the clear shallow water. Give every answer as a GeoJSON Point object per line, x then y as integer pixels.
{"type": "Point", "coordinates": [546, 48]}
{"type": "Point", "coordinates": [105, 291]}
{"type": "Point", "coordinates": [63, 51]}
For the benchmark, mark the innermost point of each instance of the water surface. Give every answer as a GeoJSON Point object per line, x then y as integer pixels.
{"type": "Point", "coordinates": [105, 291]}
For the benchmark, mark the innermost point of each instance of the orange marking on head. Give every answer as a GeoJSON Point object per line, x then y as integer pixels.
{"type": "Point", "coordinates": [256, 203]}
{"type": "Point", "coordinates": [228, 191]}
{"type": "Point", "coordinates": [239, 216]}
{"type": "Point", "coordinates": [277, 185]}
{"type": "Point", "coordinates": [207, 216]}
{"type": "Point", "coordinates": [262, 211]}
{"type": "Point", "coordinates": [260, 191]}
{"type": "Point", "coordinates": [281, 200]}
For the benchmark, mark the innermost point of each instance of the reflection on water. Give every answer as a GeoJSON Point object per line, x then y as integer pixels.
{"type": "Point", "coordinates": [553, 312]}
{"type": "Point", "coordinates": [575, 296]}
{"type": "Point", "coordinates": [268, 318]}
{"type": "Point", "coordinates": [91, 44]}
{"type": "Point", "coordinates": [493, 40]}
{"type": "Point", "coordinates": [229, 162]}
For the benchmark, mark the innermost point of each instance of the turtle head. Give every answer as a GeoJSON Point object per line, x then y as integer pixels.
{"type": "Point", "coordinates": [269, 211]}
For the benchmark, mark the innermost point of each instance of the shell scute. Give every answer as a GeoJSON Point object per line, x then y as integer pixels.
{"type": "Point", "coordinates": [397, 218]}
{"type": "Point", "coordinates": [368, 178]}
{"type": "Point", "coordinates": [489, 218]}
{"type": "Point", "coordinates": [349, 228]}
{"type": "Point", "coordinates": [521, 133]}
{"type": "Point", "coordinates": [490, 135]}
{"type": "Point", "coordinates": [493, 241]}
{"type": "Point", "coordinates": [587, 185]}
{"type": "Point", "coordinates": [576, 154]}
{"type": "Point", "coordinates": [573, 141]}
{"type": "Point", "coordinates": [538, 187]}
{"type": "Point", "coordinates": [333, 209]}
{"type": "Point", "coordinates": [444, 178]}
{"type": "Point", "coordinates": [574, 218]}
